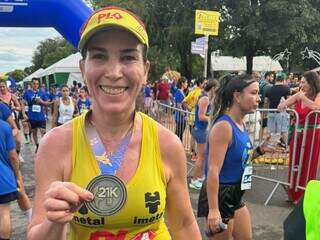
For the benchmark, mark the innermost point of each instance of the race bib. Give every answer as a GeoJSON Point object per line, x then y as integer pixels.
{"type": "Point", "coordinates": [26, 108]}
{"type": "Point", "coordinates": [246, 181]}
{"type": "Point", "coordinates": [36, 108]}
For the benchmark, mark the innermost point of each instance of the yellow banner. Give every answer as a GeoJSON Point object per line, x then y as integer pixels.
{"type": "Point", "coordinates": [207, 22]}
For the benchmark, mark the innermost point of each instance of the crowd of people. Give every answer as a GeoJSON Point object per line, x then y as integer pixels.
{"type": "Point", "coordinates": [106, 170]}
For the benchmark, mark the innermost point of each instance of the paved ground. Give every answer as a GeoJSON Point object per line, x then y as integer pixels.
{"type": "Point", "coordinates": [267, 221]}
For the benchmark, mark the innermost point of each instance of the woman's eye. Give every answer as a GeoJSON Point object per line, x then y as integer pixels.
{"type": "Point", "coordinates": [129, 58]}
{"type": "Point", "coordinates": [98, 56]}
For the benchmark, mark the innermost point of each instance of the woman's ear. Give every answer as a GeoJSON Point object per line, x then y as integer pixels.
{"type": "Point", "coordinates": [236, 97]}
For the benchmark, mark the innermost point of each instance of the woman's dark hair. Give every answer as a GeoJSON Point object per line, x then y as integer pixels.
{"type": "Point", "coordinates": [313, 80]}
{"type": "Point", "coordinates": [199, 81]}
{"type": "Point", "coordinates": [224, 94]}
{"type": "Point", "coordinates": [181, 81]}
{"type": "Point", "coordinates": [84, 88]}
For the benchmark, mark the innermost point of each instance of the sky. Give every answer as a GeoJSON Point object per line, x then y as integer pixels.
{"type": "Point", "coordinates": [18, 44]}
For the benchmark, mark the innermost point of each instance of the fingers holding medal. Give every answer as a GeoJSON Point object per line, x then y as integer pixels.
{"type": "Point", "coordinates": [63, 199]}
{"type": "Point", "coordinates": [110, 195]}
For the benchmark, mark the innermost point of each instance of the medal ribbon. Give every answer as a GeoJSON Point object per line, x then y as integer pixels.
{"type": "Point", "coordinates": [107, 164]}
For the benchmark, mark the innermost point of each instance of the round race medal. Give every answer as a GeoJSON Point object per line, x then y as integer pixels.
{"type": "Point", "coordinates": [110, 195]}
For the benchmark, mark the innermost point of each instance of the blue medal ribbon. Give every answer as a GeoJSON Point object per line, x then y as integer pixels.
{"type": "Point", "coordinates": [107, 164]}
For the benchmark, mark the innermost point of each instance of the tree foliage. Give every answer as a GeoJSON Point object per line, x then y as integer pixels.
{"type": "Point", "coordinates": [247, 28]}
{"type": "Point", "coordinates": [50, 51]}
{"type": "Point", "coordinates": [17, 74]}
{"type": "Point", "coordinates": [259, 27]}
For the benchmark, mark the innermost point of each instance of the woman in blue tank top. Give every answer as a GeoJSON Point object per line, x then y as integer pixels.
{"type": "Point", "coordinates": [228, 159]}
{"type": "Point", "coordinates": [200, 130]}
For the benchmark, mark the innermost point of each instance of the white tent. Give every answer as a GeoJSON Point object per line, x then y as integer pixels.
{"type": "Point", "coordinates": [228, 63]}
{"type": "Point", "coordinates": [34, 74]}
{"type": "Point", "coordinates": [316, 69]}
{"type": "Point", "coordinates": [69, 64]}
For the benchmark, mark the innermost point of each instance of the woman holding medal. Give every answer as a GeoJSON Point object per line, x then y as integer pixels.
{"type": "Point", "coordinates": [112, 173]}
{"type": "Point", "coordinates": [228, 160]}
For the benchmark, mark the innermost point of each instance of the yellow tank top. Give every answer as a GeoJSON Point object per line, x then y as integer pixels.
{"type": "Point", "coordinates": [142, 217]}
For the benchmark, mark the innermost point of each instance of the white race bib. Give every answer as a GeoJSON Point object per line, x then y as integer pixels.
{"type": "Point", "coordinates": [36, 108]}
{"type": "Point", "coordinates": [246, 180]}
{"type": "Point", "coordinates": [26, 108]}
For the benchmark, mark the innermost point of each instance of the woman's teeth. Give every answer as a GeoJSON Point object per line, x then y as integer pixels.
{"type": "Point", "coordinates": [113, 91]}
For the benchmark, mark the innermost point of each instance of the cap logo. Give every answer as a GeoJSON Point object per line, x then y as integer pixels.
{"type": "Point", "coordinates": [109, 15]}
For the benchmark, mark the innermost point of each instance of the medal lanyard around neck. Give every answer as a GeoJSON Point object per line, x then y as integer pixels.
{"type": "Point", "coordinates": [107, 164]}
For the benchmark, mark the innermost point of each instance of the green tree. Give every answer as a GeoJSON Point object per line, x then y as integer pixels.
{"type": "Point", "coordinates": [50, 51]}
{"type": "Point", "coordinates": [17, 74]}
{"type": "Point", "coordinates": [257, 27]}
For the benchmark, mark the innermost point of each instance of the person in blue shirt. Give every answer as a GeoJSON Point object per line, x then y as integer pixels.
{"type": "Point", "coordinates": [84, 102]}
{"type": "Point", "coordinates": [229, 156]}
{"type": "Point", "coordinates": [36, 101]}
{"type": "Point", "coordinates": [200, 130]}
{"type": "Point", "coordinates": [6, 115]}
{"type": "Point", "coordinates": [9, 177]}
{"type": "Point", "coordinates": [147, 97]}
{"type": "Point", "coordinates": [180, 116]}
{"type": "Point", "coordinates": [23, 199]}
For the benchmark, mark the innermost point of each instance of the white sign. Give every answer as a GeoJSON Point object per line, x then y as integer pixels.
{"type": "Point", "coordinates": [201, 40]}
{"type": "Point", "coordinates": [197, 48]}
{"type": "Point", "coordinates": [14, 2]}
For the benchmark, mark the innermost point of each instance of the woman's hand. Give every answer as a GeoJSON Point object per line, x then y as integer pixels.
{"type": "Point", "coordinates": [266, 146]}
{"type": "Point", "coordinates": [282, 107]}
{"type": "Point", "coordinates": [214, 219]}
{"type": "Point", "coordinates": [63, 199]}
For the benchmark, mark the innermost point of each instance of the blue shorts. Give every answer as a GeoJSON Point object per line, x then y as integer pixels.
{"type": "Point", "coordinates": [278, 122]}
{"type": "Point", "coordinates": [200, 135]}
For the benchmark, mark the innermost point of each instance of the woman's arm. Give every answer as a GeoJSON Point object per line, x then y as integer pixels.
{"type": "Point", "coordinates": [289, 102]}
{"type": "Point", "coordinates": [182, 222]}
{"type": "Point", "coordinates": [203, 106]}
{"type": "Point", "coordinates": [55, 200]}
{"type": "Point", "coordinates": [16, 103]}
{"type": "Point", "coordinates": [13, 125]}
{"type": "Point", "coordinates": [314, 105]}
{"type": "Point", "coordinates": [55, 113]}
{"type": "Point", "coordinates": [220, 138]}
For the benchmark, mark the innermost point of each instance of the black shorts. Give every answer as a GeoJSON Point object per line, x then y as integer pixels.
{"type": "Point", "coordinates": [229, 197]}
{"type": "Point", "coordinates": [38, 124]}
{"type": "Point", "coordinates": [264, 122]}
{"type": "Point", "coordinates": [9, 197]}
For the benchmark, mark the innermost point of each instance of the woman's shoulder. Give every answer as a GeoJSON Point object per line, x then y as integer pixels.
{"type": "Point", "coordinates": [58, 139]}
{"type": "Point", "coordinates": [167, 139]}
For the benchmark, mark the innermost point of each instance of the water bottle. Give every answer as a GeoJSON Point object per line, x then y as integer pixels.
{"type": "Point", "coordinates": [222, 227]}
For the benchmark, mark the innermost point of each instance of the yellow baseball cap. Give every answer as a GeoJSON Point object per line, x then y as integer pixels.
{"type": "Point", "coordinates": [113, 16]}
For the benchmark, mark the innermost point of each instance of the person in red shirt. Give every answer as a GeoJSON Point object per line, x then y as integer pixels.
{"type": "Point", "coordinates": [163, 93]}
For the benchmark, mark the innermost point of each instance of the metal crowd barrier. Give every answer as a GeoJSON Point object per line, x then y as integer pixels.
{"type": "Point", "coordinates": [273, 167]}
{"type": "Point", "coordinates": [166, 116]}
{"type": "Point", "coordinates": [309, 153]}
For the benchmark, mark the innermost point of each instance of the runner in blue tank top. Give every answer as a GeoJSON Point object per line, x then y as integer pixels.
{"type": "Point", "coordinates": [228, 159]}
{"type": "Point", "coordinates": [200, 130]}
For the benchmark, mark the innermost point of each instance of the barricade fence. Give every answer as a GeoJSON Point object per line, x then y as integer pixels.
{"type": "Point", "coordinates": [308, 158]}
{"type": "Point", "coordinates": [291, 138]}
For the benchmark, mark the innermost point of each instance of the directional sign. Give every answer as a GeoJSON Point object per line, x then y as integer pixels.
{"type": "Point", "coordinates": [197, 48]}
{"type": "Point", "coordinates": [201, 40]}
{"type": "Point", "coordinates": [14, 2]}
{"type": "Point", "coordinates": [207, 22]}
